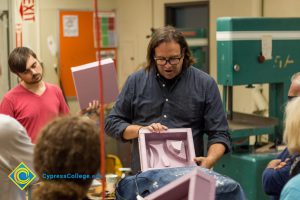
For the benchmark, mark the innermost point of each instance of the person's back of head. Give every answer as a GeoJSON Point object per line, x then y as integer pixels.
{"type": "Point", "coordinates": [66, 146]}
{"type": "Point", "coordinates": [18, 58]}
{"type": "Point", "coordinates": [55, 191]}
{"type": "Point", "coordinates": [292, 126]}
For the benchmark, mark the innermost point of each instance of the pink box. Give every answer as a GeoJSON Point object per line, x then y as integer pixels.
{"type": "Point", "coordinates": [87, 82]}
{"type": "Point", "coordinates": [194, 185]}
{"type": "Point", "coordinates": [171, 148]}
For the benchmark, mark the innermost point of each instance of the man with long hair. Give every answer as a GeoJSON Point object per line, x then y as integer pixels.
{"type": "Point", "coordinates": [170, 93]}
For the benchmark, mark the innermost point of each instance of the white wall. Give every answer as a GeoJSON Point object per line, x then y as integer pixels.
{"type": "Point", "coordinates": [3, 4]}
{"type": "Point", "coordinates": [134, 21]}
{"type": "Point", "coordinates": [4, 71]}
{"type": "Point", "coordinates": [280, 8]}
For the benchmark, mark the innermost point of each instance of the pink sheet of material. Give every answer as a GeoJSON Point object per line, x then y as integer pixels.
{"type": "Point", "coordinates": [87, 82]}
{"type": "Point", "coordinates": [194, 185]}
{"type": "Point", "coordinates": [172, 148]}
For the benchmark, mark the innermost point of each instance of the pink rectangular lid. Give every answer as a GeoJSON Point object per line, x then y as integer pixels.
{"type": "Point", "coordinates": [87, 82]}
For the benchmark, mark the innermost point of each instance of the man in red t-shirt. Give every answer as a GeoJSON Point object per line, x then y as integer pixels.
{"type": "Point", "coordinates": [32, 102]}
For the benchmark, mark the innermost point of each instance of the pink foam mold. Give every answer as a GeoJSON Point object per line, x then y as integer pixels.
{"type": "Point", "coordinates": [194, 185]}
{"type": "Point", "coordinates": [171, 148]}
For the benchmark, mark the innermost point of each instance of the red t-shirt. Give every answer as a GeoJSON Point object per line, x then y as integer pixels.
{"type": "Point", "coordinates": [34, 111]}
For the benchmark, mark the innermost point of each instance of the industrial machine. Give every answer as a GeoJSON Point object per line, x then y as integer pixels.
{"type": "Point", "coordinates": [255, 51]}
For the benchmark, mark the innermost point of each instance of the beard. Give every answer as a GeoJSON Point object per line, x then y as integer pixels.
{"type": "Point", "coordinates": [36, 78]}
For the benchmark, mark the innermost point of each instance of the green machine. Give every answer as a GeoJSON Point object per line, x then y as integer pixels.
{"type": "Point", "coordinates": [255, 51]}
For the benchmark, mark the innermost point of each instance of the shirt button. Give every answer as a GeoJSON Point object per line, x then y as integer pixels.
{"type": "Point", "coordinates": [163, 85]}
{"type": "Point", "coordinates": [167, 99]}
{"type": "Point", "coordinates": [165, 116]}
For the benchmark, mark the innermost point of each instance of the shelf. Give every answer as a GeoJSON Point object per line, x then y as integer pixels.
{"type": "Point", "coordinates": [243, 125]}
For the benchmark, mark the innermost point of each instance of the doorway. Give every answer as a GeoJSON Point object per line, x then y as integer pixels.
{"type": "Point", "coordinates": [193, 20]}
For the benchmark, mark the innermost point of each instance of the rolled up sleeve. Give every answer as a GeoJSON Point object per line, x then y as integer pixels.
{"type": "Point", "coordinates": [120, 116]}
{"type": "Point", "coordinates": [216, 125]}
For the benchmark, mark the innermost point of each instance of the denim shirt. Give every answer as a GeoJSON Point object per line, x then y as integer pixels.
{"type": "Point", "coordinates": [192, 101]}
{"type": "Point", "coordinates": [273, 180]}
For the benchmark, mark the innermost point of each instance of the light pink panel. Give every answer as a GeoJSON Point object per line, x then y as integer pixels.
{"type": "Point", "coordinates": [172, 148]}
{"type": "Point", "coordinates": [87, 82]}
{"type": "Point", "coordinates": [196, 185]}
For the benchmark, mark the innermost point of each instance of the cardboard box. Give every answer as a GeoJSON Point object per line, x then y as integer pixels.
{"type": "Point", "coordinates": [194, 185]}
{"type": "Point", "coordinates": [87, 82]}
{"type": "Point", "coordinates": [171, 148]}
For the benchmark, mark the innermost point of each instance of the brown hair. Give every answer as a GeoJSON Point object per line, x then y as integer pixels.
{"type": "Point", "coordinates": [18, 58]}
{"type": "Point", "coordinates": [168, 34]}
{"type": "Point", "coordinates": [68, 145]}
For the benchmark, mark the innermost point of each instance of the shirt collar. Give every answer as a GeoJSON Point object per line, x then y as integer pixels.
{"type": "Point", "coordinates": [155, 73]}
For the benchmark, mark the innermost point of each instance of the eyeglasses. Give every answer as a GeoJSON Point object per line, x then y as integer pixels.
{"type": "Point", "coordinates": [290, 98]}
{"type": "Point", "coordinates": [164, 61]}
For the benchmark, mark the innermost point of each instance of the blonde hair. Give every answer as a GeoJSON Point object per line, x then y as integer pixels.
{"type": "Point", "coordinates": [294, 76]}
{"type": "Point", "coordinates": [292, 126]}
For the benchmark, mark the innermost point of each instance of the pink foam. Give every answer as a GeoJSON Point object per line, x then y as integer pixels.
{"type": "Point", "coordinates": [194, 185]}
{"type": "Point", "coordinates": [172, 148]}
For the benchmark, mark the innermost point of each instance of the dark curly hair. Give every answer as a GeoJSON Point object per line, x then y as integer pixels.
{"type": "Point", "coordinates": [67, 145]}
{"type": "Point", "coordinates": [168, 34]}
